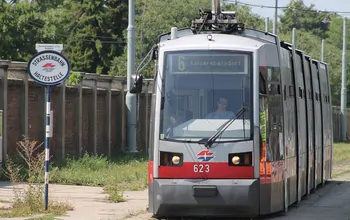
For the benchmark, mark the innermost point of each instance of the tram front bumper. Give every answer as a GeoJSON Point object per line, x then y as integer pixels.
{"type": "Point", "coordinates": [231, 198]}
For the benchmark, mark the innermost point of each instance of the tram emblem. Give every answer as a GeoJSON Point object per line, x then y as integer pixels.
{"type": "Point", "coordinates": [205, 156]}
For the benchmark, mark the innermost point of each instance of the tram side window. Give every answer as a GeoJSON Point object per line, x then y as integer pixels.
{"type": "Point", "coordinates": [300, 92]}
{"type": "Point", "coordinates": [263, 116]}
{"type": "Point", "coordinates": [274, 115]}
{"type": "Point", "coordinates": [270, 114]}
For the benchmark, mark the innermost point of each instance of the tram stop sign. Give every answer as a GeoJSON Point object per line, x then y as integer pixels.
{"type": "Point", "coordinates": [48, 68]}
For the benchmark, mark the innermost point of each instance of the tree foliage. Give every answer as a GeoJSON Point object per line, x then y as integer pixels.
{"type": "Point", "coordinates": [94, 33]}
{"type": "Point", "coordinates": [304, 18]}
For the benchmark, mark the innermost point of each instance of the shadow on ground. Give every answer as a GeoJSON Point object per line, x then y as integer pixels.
{"type": "Point", "coordinates": [5, 184]}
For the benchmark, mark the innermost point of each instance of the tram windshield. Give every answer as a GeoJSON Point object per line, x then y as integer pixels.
{"type": "Point", "coordinates": [201, 90]}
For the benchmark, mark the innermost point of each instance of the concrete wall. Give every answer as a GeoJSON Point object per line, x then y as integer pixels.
{"type": "Point", "coordinates": [88, 117]}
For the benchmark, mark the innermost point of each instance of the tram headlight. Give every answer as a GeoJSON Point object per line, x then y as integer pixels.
{"type": "Point", "coordinates": [240, 159]}
{"type": "Point", "coordinates": [235, 160]}
{"type": "Point", "coordinates": [175, 160]}
{"type": "Point", "coordinates": [171, 158]}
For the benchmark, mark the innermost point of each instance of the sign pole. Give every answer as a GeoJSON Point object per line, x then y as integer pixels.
{"type": "Point", "coordinates": [49, 68]}
{"type": "Point", "coordinates": [47, 145]}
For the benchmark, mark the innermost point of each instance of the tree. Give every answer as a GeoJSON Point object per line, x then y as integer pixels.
{"type": "Point", "coordinates": [335, 31]}
{"type": "Point", "coordinates": [20, 30]}
{"type": "Point", "coordinates": [92, 35]}
{"type": "Point", "coordinates": [298, 15]}
{"type": "Point", "coordinates": [155, 17]}
{"type": "Point", "coordinates": [85, 49]}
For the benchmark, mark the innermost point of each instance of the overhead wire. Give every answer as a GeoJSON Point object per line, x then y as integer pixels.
{"type": "Point", "coordinates": [284, 7]}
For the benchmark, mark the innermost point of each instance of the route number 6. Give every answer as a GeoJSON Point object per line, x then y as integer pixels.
{"type": "Point", "coordinates": [201, 168]}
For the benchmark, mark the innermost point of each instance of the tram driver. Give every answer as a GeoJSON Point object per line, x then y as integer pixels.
{"type": "Point", "coordinates": [221, 112]}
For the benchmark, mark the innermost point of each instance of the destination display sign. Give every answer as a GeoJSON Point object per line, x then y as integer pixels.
{"type": "Point", "coordinates": [218, 63]}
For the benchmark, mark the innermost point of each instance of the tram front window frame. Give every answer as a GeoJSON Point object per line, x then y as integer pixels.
{"type": "Point", "coordinates": [193, 96]}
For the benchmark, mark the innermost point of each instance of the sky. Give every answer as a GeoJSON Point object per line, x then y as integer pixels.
{"type": "Point", "coordinates": [329, 5]}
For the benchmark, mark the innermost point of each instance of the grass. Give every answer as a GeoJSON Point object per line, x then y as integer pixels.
{"type": "Point", "coordinates": [341, 159]}
{"type": "Point", "coordinates": [128, 172]}
{"type": "Point", "coordinates": [44, 217]}
{"type": "Point", "coordinates": [125, 172]}
{"type": "Point", "coordinates": [341, 152]}
{"type": "Point", "coordinates": [4, 201]}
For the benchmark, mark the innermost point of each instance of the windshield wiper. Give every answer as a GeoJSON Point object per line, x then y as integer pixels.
{"type": "Point", "coordinates": [209, 142]}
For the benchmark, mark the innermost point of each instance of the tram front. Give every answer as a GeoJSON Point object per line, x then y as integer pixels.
{"type": "Point", "coordinates": [202, 131]}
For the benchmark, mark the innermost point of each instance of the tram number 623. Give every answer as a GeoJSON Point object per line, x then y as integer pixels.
{"type": "Point", "coordinates": [201, 168]}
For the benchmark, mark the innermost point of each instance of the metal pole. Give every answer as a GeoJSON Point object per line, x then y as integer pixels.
{"type": "Point", "coordinates": [322, 51]}
{"type": "Point", "coordinates": [130, 99]}
{"type": "Point", "coordinates": [109, 121]}
{"type": "Point", "coordinates": [267, 25]}
{"type": "Point", "coordinates": [275, 22]}
{"type": "Point", "coordinates": [47, 146]}
{"type": "Point", "coordinates": [343, 85]}
{"type": "Point", "coordinates": [80, 118]}
{"type": "Point", "coordinates": [216, 7]}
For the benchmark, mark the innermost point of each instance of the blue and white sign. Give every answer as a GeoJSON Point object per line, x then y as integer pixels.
{"type": "Point", "coordinates": [48, 67]}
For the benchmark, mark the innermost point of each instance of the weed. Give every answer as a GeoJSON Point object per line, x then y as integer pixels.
{"type": "Point", "coordinates": [115, 193]}
{"type": "Point", "coordinates": [44, 217]}
{"type": "Point", "coordinates": [28, 198]}
{"type": "Point", "coordinates": [133, 214]}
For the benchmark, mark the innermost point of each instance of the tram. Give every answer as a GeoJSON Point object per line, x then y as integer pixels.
{"type": "Point", "coordinates": [241, 122]}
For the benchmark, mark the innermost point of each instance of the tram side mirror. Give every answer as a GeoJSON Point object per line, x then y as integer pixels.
{"type": "Point", "coordinates": [162, 103]}
{"type": "Point", "coordinates": [137, 88]}
{"type": "Point", "coordinates": [154, 54]}
{"type": "Point", "coordinates": [262, 85]}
